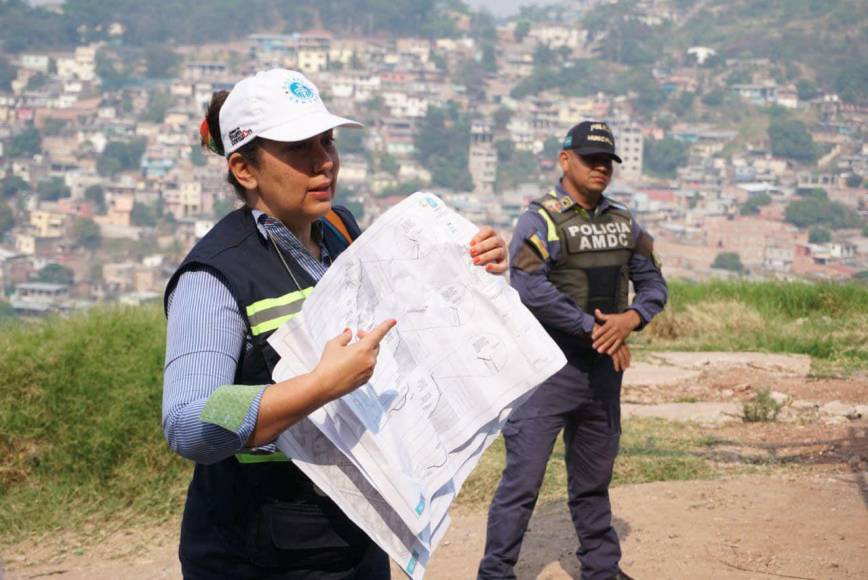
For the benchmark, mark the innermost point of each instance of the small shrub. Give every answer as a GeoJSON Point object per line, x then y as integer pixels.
{"type": "Point", "coordinates": [763, 408]}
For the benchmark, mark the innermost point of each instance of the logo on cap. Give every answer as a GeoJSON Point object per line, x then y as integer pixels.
{"type": "Point", "coordinates": [239, 134]}
{"type": "Point", "coordinates": [299, 91]}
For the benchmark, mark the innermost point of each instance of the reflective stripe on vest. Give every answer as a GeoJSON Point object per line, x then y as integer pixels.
{"type": "Point", "coordinates": [552, 231]}
{"type": "Point", "coordinates": [261, 457]}
{"type": "Point", "coordinates": [269, 314]}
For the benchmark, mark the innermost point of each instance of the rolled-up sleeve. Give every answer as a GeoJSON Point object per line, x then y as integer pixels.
{"type": "Point", "coordinates": [531, 255]}
{"type": "Point", "coordinates": [205, 417]}
{"type": "Point", "coordinates": [651, 291]}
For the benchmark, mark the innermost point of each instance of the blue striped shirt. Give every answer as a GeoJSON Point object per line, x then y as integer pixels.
{"type": "Point", "coordinates": [205, 335]}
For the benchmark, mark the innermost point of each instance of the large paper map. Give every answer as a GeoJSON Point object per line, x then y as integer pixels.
{"type": "Point", "coordinates": [394, 453]}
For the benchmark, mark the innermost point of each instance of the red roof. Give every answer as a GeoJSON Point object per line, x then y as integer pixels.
{"type": "Point", "coordinates": [666, 195]}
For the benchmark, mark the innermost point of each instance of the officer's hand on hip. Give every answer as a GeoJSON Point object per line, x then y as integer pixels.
{"type": "Point", "coordinates": [613, 329]}
{"type": "Point", "coordinates": [488, 249]}
{"type": "Point", "coordinates": [344, 367]}
{"type": "Point", "coordinates": [621, 358]}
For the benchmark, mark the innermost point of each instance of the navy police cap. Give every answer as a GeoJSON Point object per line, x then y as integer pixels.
{"type": "Point", "coordinates": [591, 138]}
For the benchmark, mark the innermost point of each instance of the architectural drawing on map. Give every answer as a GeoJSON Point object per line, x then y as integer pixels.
{"type": "Point", "coordinates": [485, 357]}
{"type": "Point", "coordinates": [394, 452]}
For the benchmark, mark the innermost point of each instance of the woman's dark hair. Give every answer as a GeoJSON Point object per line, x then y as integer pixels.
{"type": "Point", "coordinates": [249, 151]}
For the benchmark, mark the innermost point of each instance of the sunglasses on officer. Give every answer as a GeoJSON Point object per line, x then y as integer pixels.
{"type": "Point", "coordinates": [595, 160]}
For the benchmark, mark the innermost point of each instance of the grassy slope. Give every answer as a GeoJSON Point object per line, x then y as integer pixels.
{"type": "Point", "coordinates": [827, 321]}
{"type": "Point", "coordinates": [80, 422]}
{"type": "Point", "coordinates": [80, 401]}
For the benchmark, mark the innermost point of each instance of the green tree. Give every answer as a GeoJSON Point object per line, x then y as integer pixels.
{"type": "Point", "coordinates": [472, 76]}
{"type": "Point", "coordinates": [7, 218]}
{"type": "Point", "coordinates": [346, 198]}
{"type": "Point", "coordinates": [6, 310]}
{"type": "Point", "coordinates": [522, 27]}
{"type": "Point", "coordinates": [543, 55]}
{"type": "Point", "coordinates": [818, 235]}
{"type": "Point", "coordinates": [442, 143]}
{"type": "Point", "coordinates": [728, 261]}
{"type": "Point", "coordinates": [663, 157]}
{"type": "Point", "coordinates": [649, 96]}
{"type": "Point", "coordinates": [160, 61]}
{"type": "Point", "coordinates": [817, 212]}
{"type": "Point", "coordinates": [37, 81]}
{"type": "Point", "coordinates": [223, 206]}
{"type": "Point", "coordinates": [96, 196]}
{"type": "Point", "coordinates": [143, 215]}
{"type": "Point", "coordinates": [502, 116]}
{"type": "Point", "coordinates": [552, 147]}
{"type": "Point", "coordinates": [854, 180]}
{"type": "Point", "coordinates": [56, 274]}
{"type": "Point", "coordinates": [158, 106]}
{"type": "Point", "coordinates": [7, 75]}
{"type": "Point", "coordinates": [86, 234]}
{"type": "Point", "coordinates": [120, 156]}
{"type": "Point", "coordinates": [403, 188]}
{"type": "Point", "coordinates": [13, 185]}
{"type": "Point", "coordinates": [713, 98]}
{"type": "Point", "coordinates": [807, 90]}
{"type": "Point", "coordinates": [110, 70]}
{"type": "Point", "coordinates": [683, 105]}
{"type": "Point", "coordinates": [792, 140]}
{"type": "Point", "coordinates": [389, 164]}
{"type": "Point", "coordinates": [26, 143]}
{"type": "Point", "coordinates": [489, 58]}
{"type": "Point", "coordinates": [521, 167]}
{"type": "Point", "coordinates": [351, 141]}
{"type": "Point", "coordinates": [505, 150]}
{"type": "Point", "coordinates": [197, 156]}
{"type": "Point", "coordinates": [54, 126]}
{"type": "Point", "coordinates": [483, 25]}
{"type": "Point", "coordinates": [752, 205]}
{"type": "Point", "coordinates": [52, 189]}
{"type": "Point", "coordinates": [851, 84]}
{"type": "Point", "coordinates": [817, 193]}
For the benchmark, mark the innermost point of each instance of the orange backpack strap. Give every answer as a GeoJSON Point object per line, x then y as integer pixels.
{"type": "Point", "coordinates": [338, 224]}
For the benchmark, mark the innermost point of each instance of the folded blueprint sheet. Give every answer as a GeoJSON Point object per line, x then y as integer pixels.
{"type": "Point", "coordinates": [394, 453]}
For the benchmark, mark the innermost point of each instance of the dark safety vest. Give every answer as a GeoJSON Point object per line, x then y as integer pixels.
{"type": "Point", "coordinates": [270, 288]}
{"type": "Point", "coordinates": [593, 267]}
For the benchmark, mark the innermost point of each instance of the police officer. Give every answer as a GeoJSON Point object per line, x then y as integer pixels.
{"type": "Point", "coordinates": [572, 257]}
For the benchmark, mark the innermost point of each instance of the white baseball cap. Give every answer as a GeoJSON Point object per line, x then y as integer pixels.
{"type": "Point", "coordinates": [277, 104]}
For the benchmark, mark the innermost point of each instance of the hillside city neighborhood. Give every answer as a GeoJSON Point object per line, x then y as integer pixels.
{"type": "Point", "coordinates": [105, 187]}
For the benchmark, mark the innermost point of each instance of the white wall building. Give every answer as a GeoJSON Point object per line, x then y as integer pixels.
{"type": "Point", "coordinates": [483, 158]}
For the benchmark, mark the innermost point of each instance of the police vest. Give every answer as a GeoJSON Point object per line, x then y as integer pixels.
{"type": "Point", "coordinates": [593, 266]}
{"type": "Point", "coordinates": [255, 272]}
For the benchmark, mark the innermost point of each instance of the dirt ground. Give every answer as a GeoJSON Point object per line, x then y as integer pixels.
{"type": "Point", "coordinates": [807, 517]}
{"type": "Point", "coordinates": [808, 526]}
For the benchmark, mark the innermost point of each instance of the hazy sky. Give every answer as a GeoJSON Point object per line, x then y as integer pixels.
{"type": "Point", "coordinates": [506, 7]}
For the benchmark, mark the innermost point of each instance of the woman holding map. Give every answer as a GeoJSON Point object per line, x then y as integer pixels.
{"type": "Point", "coordinates": [250, 512]}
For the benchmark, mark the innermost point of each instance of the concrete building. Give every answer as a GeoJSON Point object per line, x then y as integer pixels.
{"type": "Point", "coordinates": [483, 157]}
{"type": "Point", "coordinates": [630, 147]}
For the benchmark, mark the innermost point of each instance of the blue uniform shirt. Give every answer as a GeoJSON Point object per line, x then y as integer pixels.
{"type": "Point", "coordinates": [554, 308]}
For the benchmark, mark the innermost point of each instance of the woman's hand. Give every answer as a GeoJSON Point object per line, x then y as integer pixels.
{"type": "Point", "coordinates": [488, 249]}
{"type": "Point", "coordinates": [344, 367]}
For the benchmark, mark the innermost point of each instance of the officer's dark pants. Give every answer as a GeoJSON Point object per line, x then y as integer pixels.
{"type": "Point", "coordinates": [583, 400]}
